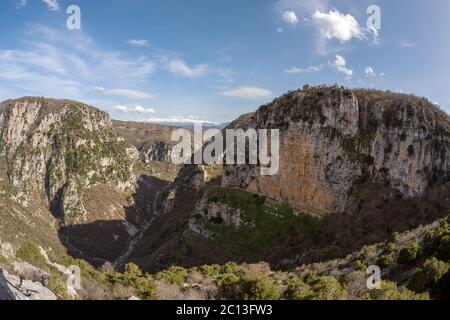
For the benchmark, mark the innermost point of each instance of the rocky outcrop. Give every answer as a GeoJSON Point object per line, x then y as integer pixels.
{"type": "Point", "coordinates": [353, 155]}
{"type": "Point", "coordinates": [15, 288]}
{"type": "Point", "coordinates": [333, 138]}
{"type": "Point", "coordinates": [60, 148]}
{"type": "Point", "coordinates": [159, 151]}
{"type": "Point", "coordinates": [208, 210]}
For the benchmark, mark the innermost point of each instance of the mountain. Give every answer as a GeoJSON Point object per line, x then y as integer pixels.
{"type": "Point", "coordinates": [356, 165]}
{"type": "Point", "coordinates": [70, 178]}
{"type": "Point", "coordinates": [364, 179]}
{"type": "Point", "coordinates": [333, 138]}
{"type": "Point", "coordinates": [60, 149]}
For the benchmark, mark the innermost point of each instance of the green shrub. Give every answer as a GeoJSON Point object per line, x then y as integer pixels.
{"type": "Point", "coordinates": [395, 237]}
{"type": "Point", "coordinates": [385, 260]}
{"type": "Point", "coordinates": [325, 288]}
{"type": "Point", "coordinates": [389, 291]}
{"type": "Point", "coordinates": [444, 248]}
{"type": "Point", "coordinates": [174, 275]}
{"type": "Point", "coordinates": [258, 287]}
{"type": "Point", "coordinates": [437, 243]}
{"type": "Point", "coordinates": [30, 253]}
{"type": "Point", "coordinates": [360, 266]}
{"type": "Point", "coordinates": [247, 287]}
{"type": "Point", "coordinates": [442, 289]}
{"type": "Point", "coordinates": [409, 253]}
{"type": "Point", "coordinates": [228, 284]}
{"type": "Point", "coordinates": [428, 275]}
{"type": "Point", "coordinates": [210, 270]}
{"type": "Point", "coordinates": [6, 263]}
{"type": "Point", "coordinates": [230, 267]}
{"type": "Point", "coordinates": [297, 290]}
{"type": "Point", "coordinates": [387, 257]}
{"type": "Point", "coordinates": [134, 279]}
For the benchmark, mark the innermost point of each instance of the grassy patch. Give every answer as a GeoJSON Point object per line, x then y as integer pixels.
{"type": "Point", "coordinates": [274, 222]}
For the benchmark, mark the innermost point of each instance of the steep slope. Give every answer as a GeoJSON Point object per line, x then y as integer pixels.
{"type": "Point", "coordinates": [333, 138]}
{"type": "Point", "coordinates": [70, 181]}
{"type": "Point", "coordinates": [61, 148]}
{"type": "Point", "coordinates": [154, 144]}
{"type": "Point", "coordinates": [363, 163]}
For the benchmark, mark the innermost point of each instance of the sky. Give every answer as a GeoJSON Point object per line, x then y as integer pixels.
{"type": "Point", "coordinates": [211, 61]}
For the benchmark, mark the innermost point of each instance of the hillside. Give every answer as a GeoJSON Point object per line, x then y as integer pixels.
{"type": "Point", "coordinates": [69, 181]}
{"type": "Point", "coordinates": [361, 165]}
{"type": "Point", "coordinates": [364, 179]}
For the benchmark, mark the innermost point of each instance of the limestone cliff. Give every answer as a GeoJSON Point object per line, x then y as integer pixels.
{"type": "Point", "coordinates": [59, 148]}
{"type": "Point", "coordinates": [333, 138]}
{"type": "Point", "coordinates": [355, 166]}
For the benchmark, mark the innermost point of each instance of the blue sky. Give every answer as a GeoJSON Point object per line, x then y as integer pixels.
{"type": "Point", "coordinates": [174, 60]}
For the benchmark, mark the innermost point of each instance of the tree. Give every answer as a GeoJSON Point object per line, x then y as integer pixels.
{"type": "Point", "coordinates": [409, 253]}
{"type": "Point", "coordinates": [428, 275]}
{"type": "Point", "coordinates": [389, 291]}
{"type": "Point", "coordinates": [297, 290]}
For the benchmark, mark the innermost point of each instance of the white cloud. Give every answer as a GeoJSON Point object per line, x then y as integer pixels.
{"type": "Point", "coordinates": [310, 69]}
{"type": "Point", "coordinates": [370, 72]}
{"type": "Point", "coordinates": [247, 92]}
{"type": "Point", "coordinates": [374, 32]}
{"type": "Point", "coordinates": [138, 43]}
{"type": "Point", "coordinates": [181, 68]}
{"type": "Point", "coordinates": [21, 3]}
{"type": "Point", "coordinates": [290, 17]}
{"type": "Point", "coordinates": [406, 44]}
{"type": "Point", "coordinates": [52, 5]}
{"type": "Point", "coordinates": [140, 109]}
{"type": "Point", "coordinates": [279, 30]}
{"type": "Point", "coordinates": [61, 63]}
{"type": "Point", "coordinates": [337, 25]}
{"type": "Point", "coordinates": [35, 83]}
{"type": "Point", "coordinates": [182, 120]}
{"type": "Point", "coordinates": [42, 58]}
{"type": "Point", "coordinates": [121, 108]}
{"type": "Point", "coordinates": [340, 64]}
{"type": "Point", "coordinates": [75, 55]}
{"type": "Point", "coordinates": [137, 109]}
{"type": "Point", "coordinates": [125, 93]}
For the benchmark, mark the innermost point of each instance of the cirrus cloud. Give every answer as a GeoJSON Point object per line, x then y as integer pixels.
{"type": "Point", "coordinates": [136, 109]}
{"type": "Point", "coordinates": [182, 120]}
{"type": "Point", "coordinates": [296, 70]}
{"type": "Point", "coordinates": [125, 93]}
{"type": "Point", "coordinates": [290, 17]}
{"type": "Point", "coordinates": [52, 5]}
{"type": "Point", "coordinates": [370, 72]}
{"type": "Point", "coordinates": [138, 43]}
{"type": "Point", "coordinates": [247, 92]}
{"type": "Point", "coordinates": [181, 68]}
{"type": "Point", "coordinates": [340, 64]}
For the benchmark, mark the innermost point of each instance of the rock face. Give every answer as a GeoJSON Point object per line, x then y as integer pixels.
{"type": "Point", "coordinates": [12, 288]}
{"type": "Point", "coordinates": [213, 212]}
{"type": "Point", "coordinates": [351, 155]}
{"type": "Point", "coordinates": [333, 138]}
{"type": "Point", "coordinates": [153, 141]}
{"type": "Point", "coordinates": [154, 145]}
{"type": "Point", "coordinates": [60, 148]}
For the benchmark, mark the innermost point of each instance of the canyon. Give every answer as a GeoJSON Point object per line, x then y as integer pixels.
{"type": "Point", "coordinates": [356, 166]}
